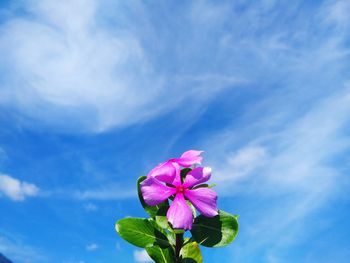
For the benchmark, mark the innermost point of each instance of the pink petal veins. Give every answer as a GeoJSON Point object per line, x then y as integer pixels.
{"type": "Point", "coordinates": [189, 158]}
{"type": "Point", "coordinates": [197, 176]}
{"type": "Point", "coordinates": [154, 192]}
{"type": "Point", "coordinates": [165, 172]}
{"type": "Point", "coordinates": [179, 213]}
{"type": "Point", "coordinates": [204, 200]}
{"type": "Point", "coordinates": [177, 179]}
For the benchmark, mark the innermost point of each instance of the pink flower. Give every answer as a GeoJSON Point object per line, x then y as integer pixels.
{"type": "Point", "coordinates": [166, 172]}
{"type": "Point", "coordinates": [179, 214]}
{"type": "Point", "coordinates": [189, 158]}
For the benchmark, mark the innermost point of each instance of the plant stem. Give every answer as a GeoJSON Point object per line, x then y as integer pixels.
{"type": "Point", "coordinates": [178, 245]}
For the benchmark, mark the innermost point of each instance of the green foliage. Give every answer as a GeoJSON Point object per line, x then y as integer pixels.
{"type": "Point", "coordinates": [200, 185]}
{"type": "Point", "coordinates": [194, 212]}
{"type": "Point", "coordinates": [184, 172]}
{"type": "Point", "coordinates": [190, 252]}
{"type": "Point", "coordinates": [158, 237]}
{"type": "Point", "coordinates": [161, 255]}
{"type": "Point", "coordinates": [161, 218]}
{"type": "Point", "coordinates": [151, 210]}
{"type": "Point", "coordinates": [216, 231]}
{"type": "Point", "coordinates": [141, 232]}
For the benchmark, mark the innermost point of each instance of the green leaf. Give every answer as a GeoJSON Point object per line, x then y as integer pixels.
{"type": "Point", "coordinates": [140, 232]}
{"type": "Point", "coordinates": [161, 255]}
{"type": "Point", "coordinates": [194, 212]}
{"type": "Point", "coordinates": [168, 232]}
{"type": "Point", "coordinates": [151, 210]}
{"type": "Point", "coordinates": [161, 218]}
{"type": "Point", "coordinates": [179, 231]}
{"type": "Point", "coordinates": [216, 231]}
{"type": "Point", "coordinates": [171, 236]}
{"type": "Point", "coordinates": [190, 252]}
{"type": "Point", "coordinates": [200, 185]}
{"type": "Point", "coordinates": [184, 172]}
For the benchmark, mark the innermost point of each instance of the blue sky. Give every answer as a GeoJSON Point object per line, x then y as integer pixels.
{"type": "Point", "coordinates": [93, 94]}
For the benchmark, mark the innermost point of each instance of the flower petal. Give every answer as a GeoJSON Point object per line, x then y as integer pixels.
{"type": "Point", "coordinates": [189, 158]}
{"type": "Point", "coordinates": [165, 172]}
{"type": "Point", "coordinates": [177, 180]}
{"type": "Point", "coordinates": [196, 176]}
{"type": "Point", "coordinates": [204, 199]}
{"type": "Point", "coordinates": [179, 213]}
{"type": "Point", "coordinates": [154, 192]}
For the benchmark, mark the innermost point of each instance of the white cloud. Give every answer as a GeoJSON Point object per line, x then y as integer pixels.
{"type": "Point", "coordinates": [107, 193]}
{"type": "Point", "coordinates": [3, 155]}
{"type": "Point", "coordinates": [285, 151]}
{"type": "Point", "coordinates": [73, 261]}
{"type": "Point", "coordinates": [238, 165]}
{"type": "Point", "coordinates": [90, 207]}
{"type": "Point", "coordinates": [337, 12]}
{"type": "Point", "coordinates": [141, 256]}
{"type": "Point", "coordinates": [96, 76]}
{"type": "Point", "coordinates": [294, 180]}
{"type": "Point", "coordinates": [18, 252]}
{"type": "Point", "coordinates": [85, 76]}
{"type": "Point", "coordinates": [16, 189]}
{"type": "Point", "coordinates": [209, 14]}
{"type": "Point", "coordinates": [92, 247]}
{"type": "Point", "coordinates": [118, 246]}
{"type": "Point", "coordinates": [66, 68]}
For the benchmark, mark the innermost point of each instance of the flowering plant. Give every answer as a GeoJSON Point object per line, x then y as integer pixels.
{"type": "Point", "coordinates": [171, 194]}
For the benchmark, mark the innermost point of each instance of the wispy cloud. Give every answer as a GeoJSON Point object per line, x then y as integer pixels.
{"type": "Point", "coordinates": [19, 252]}
{"type": "Point", "coordinates": [278, 145]}
{"type": "Point", "coordinates": [117, 246]}
{"type": "Point", "coordinates": [284, 150]}
{"type": "Point", "coordinates": [3, 155]}
{"type": "Point", "coordinates": [92, 247]}
{"type": "Point", "coordinates": [106, 193]}
{"type": "Point", "coordinates": [85, 77]}
{"type": "Point", "coordinates": [90, 207]}
{"type": "Point", "coordinates": [337, 12]}
{"type": "Point", "coordinates": [95, 74]}
{"type": "Point", "coordinates": [237, 165]}
{"type": "Point", "coordinates": [291, 173]}
{"type": "Point", "coordinates": [16, 189]}
{"type": "Point", "coordinates": [141, 256]}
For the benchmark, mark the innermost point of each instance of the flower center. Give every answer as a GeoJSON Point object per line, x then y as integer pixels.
{"type": "Point", "coordinates": [180, 189]}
